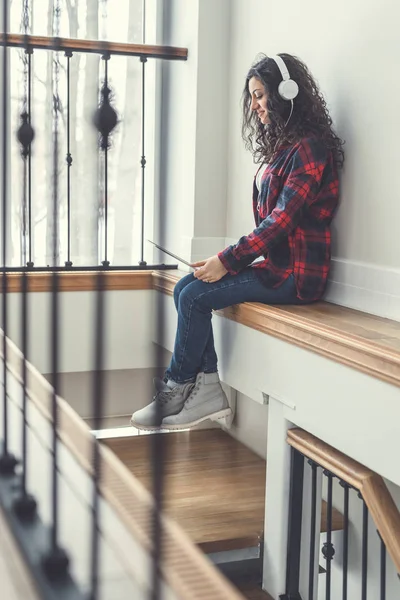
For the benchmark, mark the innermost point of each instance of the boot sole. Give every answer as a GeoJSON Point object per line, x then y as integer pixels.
{"type": "Point", "coordinates": [146, 427]}
{"type": "Point", "coordinates": [221, 415]}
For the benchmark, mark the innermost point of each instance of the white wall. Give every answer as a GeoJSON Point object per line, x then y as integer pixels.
{"type": "Point", "coordinates": [128, 329]}
{"type": "Point", "coordinates": [250, 424]}
{"type": "Point", "coordinates": [354, 52]}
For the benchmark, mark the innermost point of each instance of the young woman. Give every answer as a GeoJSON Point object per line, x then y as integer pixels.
{"type": "Point", "coordinates": [287, 127]}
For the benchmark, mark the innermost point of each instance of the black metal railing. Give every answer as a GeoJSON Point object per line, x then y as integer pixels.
{"type": "Point", "coordinates": [41, 544]}
{"type": "Point", "coordinates": [105, 119]}
{"type": "Point", "coordinates": [302, 566]}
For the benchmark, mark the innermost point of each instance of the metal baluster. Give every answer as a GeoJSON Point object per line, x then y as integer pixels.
{"type": "Point", "coordinates": [56, 562]}
{"type": "Point", "coordinates": [29, 264]}
{"type": "Point", "coordinates": [7, 460]}
{"type": "Point", "coordinates": [68, 262]}
{"type": "Point", "coordinates": [97, 404]}
{"type": "Point", "coordinates": [364, 571]}
{"type": "Point", "coordinates": [105, 120]}
{"type": "Point", "coordinates": [25, 504]}
{"type": "Point", "coordinates": [158, 485]}
{"type": "Point", "coordinates": [346, 489]}
{"type": "Point", "coordinates": [106, 262]}
{"type": "Point", "coordinates": [328, 550]}
{"type": "Point", "coordinates": [294, 530]}
{"type": "Point", "coordinates": [158, 446]}
{"type": "Point", "coordinates": [383, 570]}
{"type": "Point", "coordinates": [314, 467]}
{"type": "Point", "coordinates": [143, 60]}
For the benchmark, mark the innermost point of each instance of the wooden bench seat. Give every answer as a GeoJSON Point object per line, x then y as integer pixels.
{"type": "Point", "coordinates": [359, 340]}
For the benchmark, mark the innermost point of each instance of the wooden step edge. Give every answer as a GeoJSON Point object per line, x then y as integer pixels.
{"type": "Point", "coordinates": [229, 544]}
{"type": "Point", "coordinates": [253, 592]}
{"type": "Point", "coordinates": [337, 519]}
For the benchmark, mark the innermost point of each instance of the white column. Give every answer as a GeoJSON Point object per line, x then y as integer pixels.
{"type": "Point", "coordinates": [213, 101]}
{"type": "Point", "coordinates": [194, 128]}
{"type": "Point", "coordinates": [177, 156]}
{"type": "Point", "coordinates": [277, 501]}
{"type": "Point", "coordinates": [306, 533]}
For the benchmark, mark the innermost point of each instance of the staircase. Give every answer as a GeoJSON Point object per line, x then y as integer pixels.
{"type": "Point", "coordinates": [214, 489]}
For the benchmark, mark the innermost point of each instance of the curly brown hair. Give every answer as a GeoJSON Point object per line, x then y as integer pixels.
{"type": "Point", "coordinates": [310, 115]}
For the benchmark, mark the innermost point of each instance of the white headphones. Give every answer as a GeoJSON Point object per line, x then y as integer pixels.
{"type": "Point", "coordinates": [288, 89]}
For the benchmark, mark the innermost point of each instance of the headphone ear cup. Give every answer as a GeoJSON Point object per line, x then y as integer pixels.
{"type": "Point", "coordinates": [288, 90]}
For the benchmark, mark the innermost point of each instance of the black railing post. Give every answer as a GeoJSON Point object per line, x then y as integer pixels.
{"type": "Point", "coordinates": [345, 562]}
{"type": "Point", "coordinates": [56, 560]}
{"type": "Point", "coordinates": [29, 263]}
{"type": "Point", "coordinates": [143, 60]}
{"type": "Point", "coordinates": [364, 568]}
{"type": "Point", "coordinates": [68, 262]}
{"type": "Point", "coordinates": [106, 262]}
{"type": "Point", "coordinates": [98, 410]}
{"type": "Point", "coordinates": [328, 550]}
{"type": "Point", "coordinates": [383, 570]}
{"type": "Point", "coordinates": [7, 460]}
{"type": "Point", "coordinates": [25, 504]}
{"type": "Point", "coordinates": [314, 468]}
{"type": "Point", "coordinates": [294, 530]}
{"type": "Point", "coordinates": [105, 120]}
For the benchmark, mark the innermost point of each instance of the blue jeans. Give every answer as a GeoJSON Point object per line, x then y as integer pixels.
{"type": "Point", "coordinates": [194, 350]}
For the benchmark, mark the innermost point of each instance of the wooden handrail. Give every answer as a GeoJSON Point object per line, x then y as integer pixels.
{"type": "Point", "coordinates": [371, 485]}
{"type": "Point", "coordinates": [92, 46]}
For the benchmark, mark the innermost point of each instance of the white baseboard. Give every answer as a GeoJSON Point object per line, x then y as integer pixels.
{"type": "Point", "coordinates": [369, 288]}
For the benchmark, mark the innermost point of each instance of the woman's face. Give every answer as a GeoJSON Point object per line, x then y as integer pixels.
{"type": "Point", "coordinates": [259, 98]}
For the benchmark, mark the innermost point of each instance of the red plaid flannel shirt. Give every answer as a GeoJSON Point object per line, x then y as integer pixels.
{"type": "Point", "coordinates": [293, 212]}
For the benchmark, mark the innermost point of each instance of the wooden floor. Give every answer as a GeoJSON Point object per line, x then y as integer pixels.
{"type": "Point", "coordinates": [214, 487]}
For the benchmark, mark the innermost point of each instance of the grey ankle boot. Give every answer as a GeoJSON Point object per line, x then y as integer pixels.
{"type": "Point", "coordinates": [171, 402]}
{"type": "Point", "coordinates": [207, 400]}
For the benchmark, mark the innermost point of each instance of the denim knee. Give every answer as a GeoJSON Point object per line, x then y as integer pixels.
{"type": "Point", "coordinates": [191, 296]}
{"type": "Point", "coordinates": [182, 283]}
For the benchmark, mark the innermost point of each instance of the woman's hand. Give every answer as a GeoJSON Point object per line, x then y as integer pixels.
{"type": "Point", "coordinates": [210, 270]}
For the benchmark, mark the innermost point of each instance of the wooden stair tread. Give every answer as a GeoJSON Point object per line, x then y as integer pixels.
{"type": "Point", "coordinates": [254, 592]}
{"type": "Point", "coordinates": [214, 488]}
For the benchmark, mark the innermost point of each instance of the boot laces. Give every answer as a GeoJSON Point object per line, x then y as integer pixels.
{"type": "Point", "coordinates": [194, 390]}
{"type": "Point", "coordinates": [164, 396]}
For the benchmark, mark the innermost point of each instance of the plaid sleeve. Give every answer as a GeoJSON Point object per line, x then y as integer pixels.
{"type": "Point", "coordinates": [299, 191]}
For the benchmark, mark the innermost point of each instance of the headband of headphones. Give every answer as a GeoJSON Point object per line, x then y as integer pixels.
{"type": "Point", "coordinates": [288, 89]}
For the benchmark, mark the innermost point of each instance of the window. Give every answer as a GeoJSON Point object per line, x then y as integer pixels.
{"type": "Point", "coordinates": [85, 19]}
